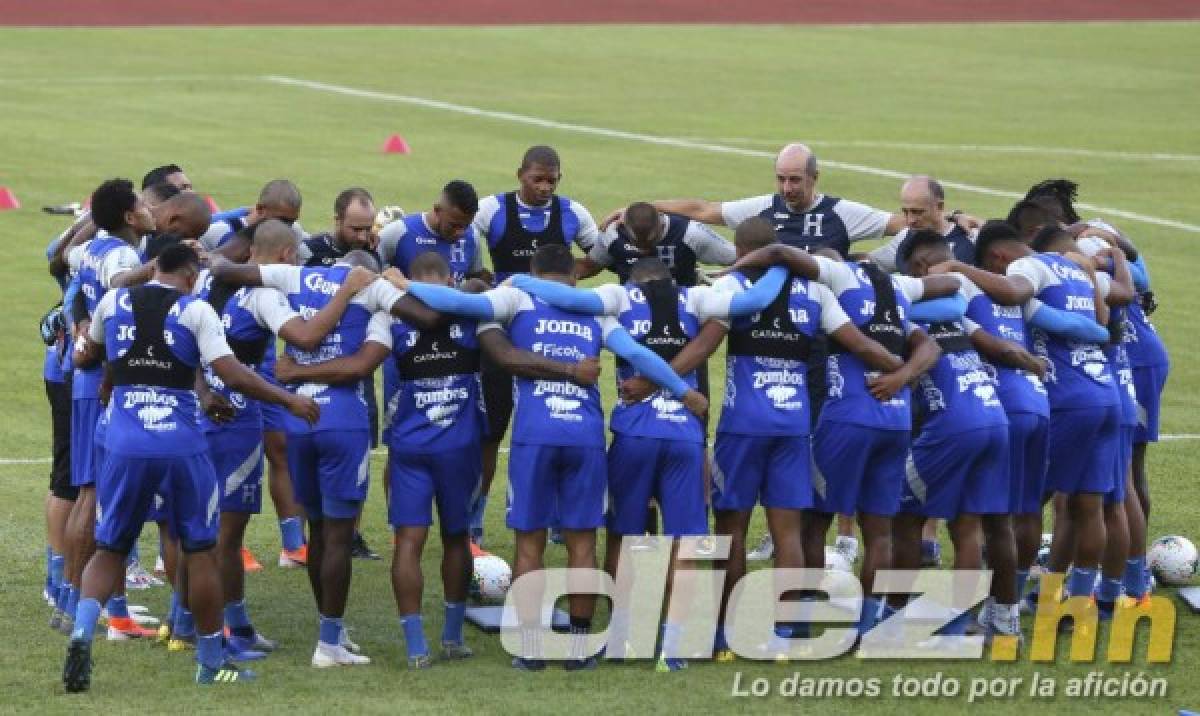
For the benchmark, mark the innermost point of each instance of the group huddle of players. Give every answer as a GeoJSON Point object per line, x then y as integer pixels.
{"type": "Point", "coordinates": [965, 371]}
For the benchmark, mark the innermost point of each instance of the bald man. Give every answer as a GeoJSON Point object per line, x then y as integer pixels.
{"type": "Point", "coordinates": [802, 217]}
{"type": "Point", "coordinates": [923, 206]}
{"type": "Point", "coordinates": [278, 199]}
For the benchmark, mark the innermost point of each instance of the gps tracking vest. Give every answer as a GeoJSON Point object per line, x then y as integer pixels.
{"type": "Point", "coordinates": [658, 320]}
{"type": "Point", "coordinates": [958, 393]}
{"type": "Point", "coordinates": [437, 404]}
{"type": "Point", "coordinates": [766, 364]}
{"type": "Point", "coordinates": [817, 228]}
{"type": "Point", "coordinates": [153, 406]}
{"type": "Point", "coordinates": [513, 251]}
{"type": "Point", "coordinates": [249, 342]}
{"type": "Point", "coordinates": [671, 250]}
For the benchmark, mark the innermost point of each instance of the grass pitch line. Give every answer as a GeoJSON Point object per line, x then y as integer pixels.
{"type": "Point", "coordinates": [996, 148]}
{"type": "Point", "coordinates": [681, 143]}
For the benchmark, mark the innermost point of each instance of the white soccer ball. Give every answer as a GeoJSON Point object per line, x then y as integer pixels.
{"type": "Point", "coordinates": [492, 576]}
{"type": "Point", "coordinates": [835, 560]}
{"type": "Point", "coordinates": [387, 215]}
{"type": "Point", "coordinates": [1173, 560]}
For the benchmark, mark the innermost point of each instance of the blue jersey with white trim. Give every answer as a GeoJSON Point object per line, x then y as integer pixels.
{"type": "Point", "coordinates": [240, 326]}
{"type": "Point", "coordinates": [1020, 391]}
{"type": "Point", "coordinates": [958, 393]}
{"type": "Point", "coordinates": [418, 239]}
{"type": "Point", "coordinates": [661, 415]}
{"type": "Point", "coordinates": [438, 403]}
{"type": "Point", "coordinates": [86, 382]}
{"type": "Point", "coordinates": [343, 407]}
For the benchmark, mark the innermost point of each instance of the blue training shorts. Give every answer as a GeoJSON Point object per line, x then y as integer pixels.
{"type": "Point", "coordinates": [417, 480]}
{"type": "Point", "coordinates": [670, 471]}
{"type": "Point", "coordinates": [1148, 384]}
{"type": "Point", "coordinates": [858, 469]}
{"type": "Point", "coordinates": [1083, 447]}
{"type": "Point", "coordinates": [237, 456]}
{"type": "Point", "coordinates": [774, 471]}
{"type": "Point", "coordinates": [1028, 455]}
{"type": "Point", "coordinates": [125, 492]}
{"type": "Point", "coordinates": [85, 413]}
{"type": "Point", "coordinates": [962, 474]}
{"type": "Point", "coordinates": [546, 482]}
{"type": "Point", "coordinates": [330, 471]}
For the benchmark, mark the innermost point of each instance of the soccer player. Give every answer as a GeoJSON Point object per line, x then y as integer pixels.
{"type": "Point", "coordinates": [153, 338]}
{"type": "Point", "coordinates": [101, 264]}
{"type": "Point", "coordinates": [923, 206]}
{"type": "Point", "coordinates": [960, 465]}
{"type": "Point", "coordinates": [434, 443]}
{"type": "Point", "coordinates": [330, 461]}
{"type": "Point", "coordinates": [557, 459]}
{"type": "Point", "coordinates": [514, 225]}
{"type": "Point", "coordinates": [278, 199]}
{"type": "Point", "coordinates": [802, 217]}
{"type": "Point", "coordinates": [677, 241]}
{"type": "Point", "coordinates": [252, 318]}
{"type": "Point", "coordinates": [658, 447]}
{"type": "Point", "coordinates": [862, 437]}
{"type": "Point", "coordinates": [1084, 406]}
{"type": "Point", "coordinates": [445, 229]}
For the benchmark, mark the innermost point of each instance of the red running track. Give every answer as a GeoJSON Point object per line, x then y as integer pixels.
{"type": "Point", "coordinates": [506, 12]}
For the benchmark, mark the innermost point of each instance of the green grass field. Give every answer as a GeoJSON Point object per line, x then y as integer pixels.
{"type": "Point", "coordinates": [79, 106]}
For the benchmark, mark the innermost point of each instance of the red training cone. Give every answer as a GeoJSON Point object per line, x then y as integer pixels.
{"type": "Point", "coordinates": [395, 144]}
{"type": "Point", "coordinates": [212, 204]}
{"type": "Point", "coordinates": [8, 200]}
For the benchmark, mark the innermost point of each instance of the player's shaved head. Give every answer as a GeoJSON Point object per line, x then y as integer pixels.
{"type": "Point", "coordinates": [797, 157]}
{"type": "Point", "coordinates": [361, 257]}
{"type": "Point", "coordinates": [273, 241]}
{"type": "Point", "coordinates": [997, 245]}
{"type": "Point", "coordinates": [178, 259]}
{"type": "Point", "coordinates": [649, 269]}
{"type": "Point", "coordinates": [1053, 239]}
{"type": "Point", "coordinates": [926, 185]}
{"type": "Point", "coordinates": [752, 234]}
{"type": "Point", "coordinates": [280, 194]}
{"type": "Point", "coordinates": [542, 155]}
{"type": "Point", "coordinates": [429, 267]}
{"type": "Point", "coordinates": [643, 221]}
{"type": "Point", "coordinates": [186, 214]}
{"type": "Point", "coordinates": [796, 176]}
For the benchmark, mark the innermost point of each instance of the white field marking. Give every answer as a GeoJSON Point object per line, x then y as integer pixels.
{"type": "Point", "coordinates": [24, 460]}
{"type": "Point", "coordinates": [681, 143]}
{"type": "Point", "coordinates": [1180, 436]}
{"type": "Point", "coordinates": [997, 148]}
{"type": "Point", "coordinates": [130, 79]}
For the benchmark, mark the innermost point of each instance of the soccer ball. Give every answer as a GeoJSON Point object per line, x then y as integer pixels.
{"type": "Point", "coordinates": [492, 576]}
{"type": "Point", "coordinates": [1173, 560]}
{"type": "Point", "coordinates": [387, 215]}
{"type": "Point", "coordinates": [835, 560]}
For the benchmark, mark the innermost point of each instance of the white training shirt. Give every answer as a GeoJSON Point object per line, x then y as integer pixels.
{"type": "Point", "coordinates": [1039, 275]}
{"type": "Point", "coordinates": [379, 295]}
{"type": "Point", "coordinates": [268, 306]}
{"type": "Point", "coordinates": [115, 262]}
{"type": "Point", "coordinates": [833, 316]}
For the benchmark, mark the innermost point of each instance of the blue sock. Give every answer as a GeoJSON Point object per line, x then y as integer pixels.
{"type": "Point", "coordinates": [720, 641]}
{"type": "Point", "coordinates": [236, 617]}
{"type": "Point", "coordinates": [292, 533]}
{"type": "Point", "coordinates": [1109, 591]}
{"type": "Point", "coordinates": [210, 650]}
{"type": "Point", "coordinates": [185, 623]}
{"type": "Point", "coordinates": [118, 607]}
{"type": "Point", "coordinates": [63, 596]}
{"type": "Point", "coordinates": [869, 616]}
{"type": "Point", "coordinates": [49, 568]}
{"type": "Point", "coordinates": [72, 602]}
{"type": "Point", "coordinates": [1132, 580]}
{"type": "Point", "coordinates": [1081, 581]}
{"type": "Point", "coordinates": [133, 555]}
{"type": "Point", "coordinates": [1022, 580]}
{"type": "Point", "coordinates": [173, 610]}
{"type": "Point", "coordinates": [452, 629]}
{"type": "Point", "coordinates": [671, 634]}
{"type": "Point", "coordinates": [331, 630]}
{"type": "Point", "coordinates": [58, 564]}
{"type": "Point", "coordinates": [414, 635]}
{"type": "Point", "coordinates": [86, 616]}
